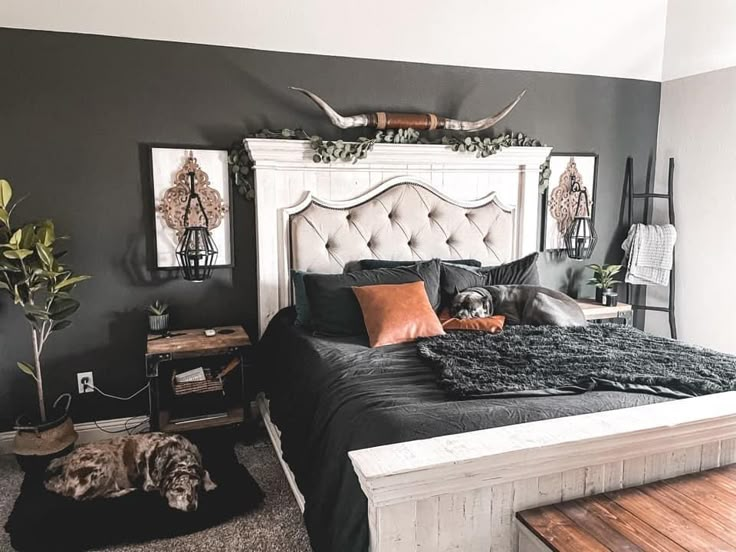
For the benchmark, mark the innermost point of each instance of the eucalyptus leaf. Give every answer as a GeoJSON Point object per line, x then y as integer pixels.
{"type": "Point", "coordinates": [28, 236]}
{"type": "Point", "coordinates": [4, 217]}
{"type": "Point", "coordinates": [45, 254]}
{"type": "Point", "coordinates": [19, 254]}
{"type": "Point", "coordinates": [14, 241]}
{"type": "Point", "coordinates": [6, 193]}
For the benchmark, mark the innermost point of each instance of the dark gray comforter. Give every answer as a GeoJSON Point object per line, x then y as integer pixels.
{"type": "Point", "coordinates": [537, 360]}
{"type": "Point", "coordinates": [330, 396]}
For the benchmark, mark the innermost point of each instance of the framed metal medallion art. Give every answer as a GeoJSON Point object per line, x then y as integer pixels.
{"type": "Point", "coordinates": [172, 168]}
{"type": "Point", "coordinates": [560, 201]}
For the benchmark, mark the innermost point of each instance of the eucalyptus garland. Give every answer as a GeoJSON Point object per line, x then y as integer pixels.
{"type": "Point", "coordinates": [334, 151]}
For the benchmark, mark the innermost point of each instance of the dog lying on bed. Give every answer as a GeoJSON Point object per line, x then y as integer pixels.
{"type": "Point", "coordinates": [532, 305]}
{"type": "Point", "coordinates": [169, 464]}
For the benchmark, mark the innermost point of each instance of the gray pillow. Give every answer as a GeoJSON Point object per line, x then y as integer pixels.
{"type": "Point", "coordinates": [332, 303]}
{"type": "Point", "coordinates": [456, 278]}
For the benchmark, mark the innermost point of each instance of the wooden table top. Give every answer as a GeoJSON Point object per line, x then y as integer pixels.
{"type": "Point", "coordinates": [194, 341]}
{"type": "Point", "coordinates": [592, 309]}
{"type": "Point", "coordinates": [690, 513]}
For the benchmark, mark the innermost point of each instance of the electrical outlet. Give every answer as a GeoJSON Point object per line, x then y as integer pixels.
{"type": "Point", "coordinates": [85, 378]}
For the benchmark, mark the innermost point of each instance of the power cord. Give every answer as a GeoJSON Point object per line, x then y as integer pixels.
{"type": "Point", "coordinates": [126, 429]}
{"type": "Point", "coordinates": [90, 386]}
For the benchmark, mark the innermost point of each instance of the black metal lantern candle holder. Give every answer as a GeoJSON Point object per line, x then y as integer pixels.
{"type": "Point", "coordinates": [581, 237]}
{"type": "Point", "coordinates": [196, 252]}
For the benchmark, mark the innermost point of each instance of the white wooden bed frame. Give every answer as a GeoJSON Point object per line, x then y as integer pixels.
{"type": "Point", "coordinates": [461, 492]}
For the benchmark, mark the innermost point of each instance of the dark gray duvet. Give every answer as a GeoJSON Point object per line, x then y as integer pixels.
{"type": "Point", "coordinates": [332, 395]}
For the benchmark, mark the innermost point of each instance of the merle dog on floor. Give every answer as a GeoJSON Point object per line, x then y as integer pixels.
{"type": "Point", "coordinates": [533, 305]}
{"type": "Point", "coordinates": [169, 464]}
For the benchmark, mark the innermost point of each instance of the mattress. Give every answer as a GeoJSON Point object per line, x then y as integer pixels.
{"type": "Point", "coordinates": [332, 395]}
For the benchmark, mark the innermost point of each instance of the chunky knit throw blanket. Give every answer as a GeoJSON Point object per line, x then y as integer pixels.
{"type": "Point", "coordinates": [543, 360]}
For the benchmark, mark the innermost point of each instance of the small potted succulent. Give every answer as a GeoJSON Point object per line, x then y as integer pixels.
{"type": "Point", "coordinates": [34, 278]}
{"type": "Point", "coordinates": [158, 317]}
{"type": "Point", "coordinates": [603, 279]}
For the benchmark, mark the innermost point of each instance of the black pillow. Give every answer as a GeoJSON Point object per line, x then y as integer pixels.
{"type": "Point", "coordinates": [372, 264]}
{"type": "Point", "coordinates": [336, 311]}
{"type": "Point", "coordinates": [456, 278]}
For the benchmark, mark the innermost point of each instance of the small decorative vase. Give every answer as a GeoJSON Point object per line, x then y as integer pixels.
{"type": "Point", "coordinates": [599, 294]}
{"type": "Point", "coordinates": [158, 323]}
{"type": "Point", "coordinates": [610, 298]}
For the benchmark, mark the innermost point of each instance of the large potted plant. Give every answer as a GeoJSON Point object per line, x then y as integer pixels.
{"type": "Point", "coordinates": [603, 279]}
{"type": "Point", "coordinates": [34, 278]}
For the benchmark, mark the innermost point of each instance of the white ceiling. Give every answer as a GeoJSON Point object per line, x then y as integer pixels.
{"type": "Point", "coordinates": [701, 37]}
{"type": "Point", "coordinates": [617, 38]}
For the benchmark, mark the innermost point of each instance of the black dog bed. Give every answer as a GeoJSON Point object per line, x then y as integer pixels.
{"type": "Point", "coordinates": [43, 521]}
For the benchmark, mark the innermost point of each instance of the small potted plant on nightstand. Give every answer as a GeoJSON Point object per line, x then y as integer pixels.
{"type": "Point", "coordinates": [158, 317]}
{"type": "Point", "coordinates": [603, 279]}
{"type": "Point", "coordinates": [35, 280]}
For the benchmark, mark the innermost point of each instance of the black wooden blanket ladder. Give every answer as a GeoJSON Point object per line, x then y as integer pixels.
{"type": "Point", "coordinates": [649, 195]}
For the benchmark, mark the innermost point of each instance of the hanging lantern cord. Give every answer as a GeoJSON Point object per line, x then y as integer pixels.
{"type": "Point", "coordinates": [582, 193]}
{"type": "Point", "coordinates": [194, 195]}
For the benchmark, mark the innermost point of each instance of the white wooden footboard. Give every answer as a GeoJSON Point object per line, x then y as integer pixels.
{"type": "Point", "coordinates": [460, 492]}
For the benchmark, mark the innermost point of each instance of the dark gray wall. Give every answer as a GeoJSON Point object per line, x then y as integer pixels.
{"type": "Point", "coordinates": [76, 112]}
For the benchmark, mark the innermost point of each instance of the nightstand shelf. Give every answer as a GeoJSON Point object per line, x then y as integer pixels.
{"type": "Point", "coordinates": [162, 353]}
{"type": "Point", "coordinates": [595, 311]}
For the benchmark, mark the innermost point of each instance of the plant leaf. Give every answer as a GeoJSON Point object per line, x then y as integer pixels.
{"type": "Point", "coordinates": [4, 217]}
{"type": "Point", "coordinates": [60, 325]}
{"type": "Point", "coordinates": [45, 233]}
{"type": "Point", "coordinates": [6, 192]}
{"type": "Point", "coordinates": [63, 308]}
{"type": "Point", "coordinates": [28, 237]}
{"type": "Point", "coordinates": [18, 253]}
{"type": "Point", "coordinates": [14, 240]}
{"type": "Point", "coordinates": [27, 369]}
{"type": "Point", "coordinates": [71, 281]}
{"type": "Point", "coordinates": [45, 254]}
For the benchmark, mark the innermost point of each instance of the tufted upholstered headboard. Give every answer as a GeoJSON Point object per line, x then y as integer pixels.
{"type": "Point", "coordinates": [403, 219]}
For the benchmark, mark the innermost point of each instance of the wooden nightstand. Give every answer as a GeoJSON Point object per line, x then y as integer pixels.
{"type": "Point", "coordinates": [230, 342]}
{"type": "Point", "coordinates": [595, 311]}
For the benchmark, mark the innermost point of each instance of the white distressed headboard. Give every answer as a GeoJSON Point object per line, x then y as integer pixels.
{"type": "Point", "coordinates": [415, 201]}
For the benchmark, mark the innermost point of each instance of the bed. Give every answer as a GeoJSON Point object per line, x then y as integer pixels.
{"type": "Point", "coordinates": [382, 459]}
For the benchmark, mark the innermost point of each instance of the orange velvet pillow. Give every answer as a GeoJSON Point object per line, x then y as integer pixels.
{"type": "Point", "coordinates": [396, 313]}
{"type": "Point", "coordinates": [490, 324]}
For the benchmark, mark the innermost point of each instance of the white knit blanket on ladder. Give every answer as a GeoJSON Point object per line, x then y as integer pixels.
{"type": "Point", "coordinates": [649, 253]}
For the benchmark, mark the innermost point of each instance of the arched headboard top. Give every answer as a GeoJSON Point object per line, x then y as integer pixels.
{"type": "Point", "coordinates": [402, 219]}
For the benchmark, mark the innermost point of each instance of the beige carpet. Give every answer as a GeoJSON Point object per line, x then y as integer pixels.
{"type": "Point", "coordinates": [276, 526]}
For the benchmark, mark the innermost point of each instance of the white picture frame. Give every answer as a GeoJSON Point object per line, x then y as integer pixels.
{"type": "Point", "coordinates": [165, 163]}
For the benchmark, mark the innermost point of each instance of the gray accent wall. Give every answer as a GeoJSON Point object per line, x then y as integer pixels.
{"type": "Point", "coordinates": [78, 111]}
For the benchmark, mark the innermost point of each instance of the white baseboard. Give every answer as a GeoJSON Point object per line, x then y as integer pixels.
{"type": "Point", "coordinates": [89, 432]}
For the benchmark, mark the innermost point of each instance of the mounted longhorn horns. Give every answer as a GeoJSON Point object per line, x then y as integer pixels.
{"type": "Point", "coordinates": [417, 121]}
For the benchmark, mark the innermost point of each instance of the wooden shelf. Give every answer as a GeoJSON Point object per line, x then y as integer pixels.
{"type": "Point", "coordinates": [233, 416]}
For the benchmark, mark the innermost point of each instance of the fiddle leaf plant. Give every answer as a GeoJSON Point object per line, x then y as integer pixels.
{"type": "Point", "coordinates": [33, 277]}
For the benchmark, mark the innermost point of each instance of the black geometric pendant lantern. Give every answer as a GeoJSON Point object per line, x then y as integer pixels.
{"type": "Point", "coordinates": [196, 252]}
{"type": "Point", "coordinates": [581, 237]}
